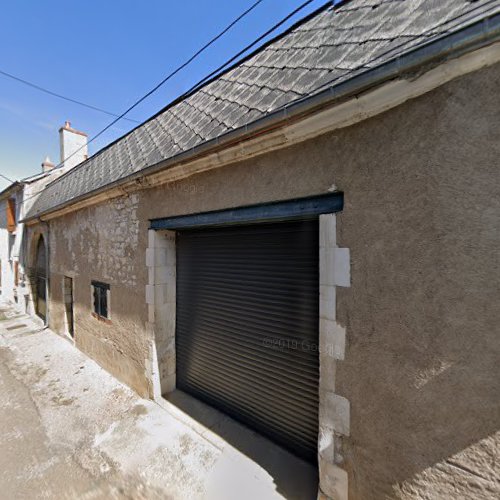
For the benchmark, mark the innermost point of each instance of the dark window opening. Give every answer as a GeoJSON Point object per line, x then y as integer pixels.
{"type": "Point", "coordinates": [68, 304]}
{"type": "Point", "coordinates": [41, 276]}
{"type": "Point", "coordinates": [100, 299]}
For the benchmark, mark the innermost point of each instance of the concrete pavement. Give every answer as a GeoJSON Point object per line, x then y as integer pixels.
{"type": "Point", "coordinates": [70, 430]}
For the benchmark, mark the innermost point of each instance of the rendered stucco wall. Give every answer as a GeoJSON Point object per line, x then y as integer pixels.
{"type": "Point", "coordinates": [422, 204]}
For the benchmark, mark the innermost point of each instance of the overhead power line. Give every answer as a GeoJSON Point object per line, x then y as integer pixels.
{"type": "Point", "coordinates": [222, 67]}
{"type": "Point", "coordinates": [65, 98]}
{"type": "Point", "coordinates": [7, 179]}
{"type": "Point", "coordinates": [168, 77]}
{"type": "Point", "coordinates": [194, 56]}
{"type": "Point", "coordinates": [206, 78]}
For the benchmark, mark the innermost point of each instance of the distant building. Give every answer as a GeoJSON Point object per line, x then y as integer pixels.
{"type": "Point", "coordinates": [15, 202]}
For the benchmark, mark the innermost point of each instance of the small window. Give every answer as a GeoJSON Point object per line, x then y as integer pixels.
{"type": "Point", "coordinates": [100, 296]}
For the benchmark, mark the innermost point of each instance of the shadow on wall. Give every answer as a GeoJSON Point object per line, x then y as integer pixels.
{"type": "Point", "coordinates": [442, 440]}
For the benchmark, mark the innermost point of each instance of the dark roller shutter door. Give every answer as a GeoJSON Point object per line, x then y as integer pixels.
{"type": "Point", "coordinates": [247, 326]}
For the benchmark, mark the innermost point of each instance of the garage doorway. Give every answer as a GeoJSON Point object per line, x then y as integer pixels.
{"type": "Point", "coordinates": [247, 326]}
{"type": "Point", "coordinates": [235, 305]}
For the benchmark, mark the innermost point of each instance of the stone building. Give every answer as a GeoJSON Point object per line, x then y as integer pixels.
{"type": "Point", "coordinates": [308, 242]}
{"type": "Point", "coordinates": [15, 202]}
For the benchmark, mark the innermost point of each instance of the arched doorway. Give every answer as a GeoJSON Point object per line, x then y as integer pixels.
{"type": "Point", "coordinates": [41, 279]}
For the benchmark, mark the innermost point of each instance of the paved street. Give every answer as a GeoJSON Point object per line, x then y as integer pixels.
{"type": "Point", "coordinates": [70, 430]}
{"type": "Point", "coordinates": [57, 461]}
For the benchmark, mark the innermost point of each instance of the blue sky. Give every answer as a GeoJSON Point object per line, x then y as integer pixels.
{"type": "Point", "coordinates": [107, 54]}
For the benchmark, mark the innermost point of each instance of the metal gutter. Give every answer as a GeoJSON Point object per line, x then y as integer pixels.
{"type": "Point", "coordinates": [467, 39]}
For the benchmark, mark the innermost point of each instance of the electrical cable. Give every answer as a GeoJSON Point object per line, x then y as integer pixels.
{"type": "Point", "coordinates": [7, 179]}
{"type": "Point", "coordinates": [203, 80]}
{"type": "Point", "coordinates": [200, 82]}
{"type": "Point", "coordinates": [60, 96]}
{"type": "Point", "coordinates": [247, 48]}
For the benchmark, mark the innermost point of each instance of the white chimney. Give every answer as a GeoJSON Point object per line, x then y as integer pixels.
{"type": "Point", "coordinates": [47, 165]}
{"type": "Point", "coordinates": [73, 146]}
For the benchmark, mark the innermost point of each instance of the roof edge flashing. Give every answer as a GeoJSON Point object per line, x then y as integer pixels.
{"type": "Point", "coordinates": [274, 211]}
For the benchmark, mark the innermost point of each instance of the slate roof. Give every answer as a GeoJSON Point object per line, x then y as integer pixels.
{"type": "Point", "coordinates": [325, 49]}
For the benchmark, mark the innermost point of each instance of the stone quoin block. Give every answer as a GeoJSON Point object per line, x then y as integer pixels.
{"type": "Point", "coordinates": [168, 383]}
{"type": "Point", "coordinates": [327, 305]}
{"type": "Point", "coordinates": [342, 267]}
{"type": "Point", "coordinates": [333, 480]}
{"type": "Point", "coordinates": [163, 257]}
{"type": "Point", "coordinates": [167, 363]}
{"type": "Point", "coordinates": [150, 257]}
{"type": "Point", "coordinates": [326, 444]}
{"type": "Point", "coordinates": [334, 412]}
{"type": "Point", "coordinates": [164, 294]}
{"type": "Point", "coordinates": [164, 274]}
{"type": "Point", "coordinates": [166, 239]}
{"type": "Point", "coordinates": [327, 372]}
{"type": "Point", "coordinates": [151, 275]}
{"type": "Point", "coordinates": [327, 231]}
{"type": "Point", "coordinates": [151, 238]}
{"type": "Point", "coordinates": [331, 338]}
{"type": "Point", "coordinates": [326, 266]}
{"type": "Point", "coordinates": [334, 267]}
{"type": "Point", "coordinates": [150, 294]}
{"type": "Point", "coordinates": [160, 239]}
{"type": "Point", "coordinates": [151, 313]}
{"type": "Point", "coordinates": [150, 329]}
{"type": "Point", "coordinates": [156, 257]}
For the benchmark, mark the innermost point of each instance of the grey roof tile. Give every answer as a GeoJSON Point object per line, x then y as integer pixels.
{"type": "Point", "coordinates": [213, 129]}
{"type": "Point", "coordinates": [334, 45]}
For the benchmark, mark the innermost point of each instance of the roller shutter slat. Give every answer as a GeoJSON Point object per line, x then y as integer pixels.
{"type": "Point", "coordinates": [298, 359]}
{"type": "Point", "coordinates": [238, 288]}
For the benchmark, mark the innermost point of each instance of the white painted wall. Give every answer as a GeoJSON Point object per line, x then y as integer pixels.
{"type": "Point", "coordinates": [9, 248]}
{"type": "Point", "coordinates": [73, 147]}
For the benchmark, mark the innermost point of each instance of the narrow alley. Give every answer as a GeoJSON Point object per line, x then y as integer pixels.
{"type": "Point", "coordinates": [70, 430]}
